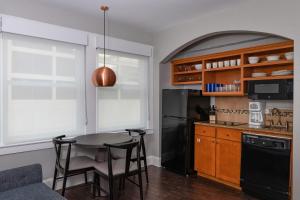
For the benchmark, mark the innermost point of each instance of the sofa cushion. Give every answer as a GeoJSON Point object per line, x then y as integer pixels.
{"type": "Point", "coordinates": [37, 191]}
{"type": "Point", "coordinates": [18, 177]}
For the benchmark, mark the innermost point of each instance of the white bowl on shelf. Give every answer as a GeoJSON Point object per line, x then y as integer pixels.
{"type": "Point", "coordinates": [289, 55]}
{"type": "Point", "coordinates": [273, 58]}
{"type": "Point", "coordinates": [253, 59]}
{"type": "Point", "coordinates": [198, 66]}
{"type": "Point", "coordinates": [282, 72]}
{"type": "Point", "coordinates": [259, 74]}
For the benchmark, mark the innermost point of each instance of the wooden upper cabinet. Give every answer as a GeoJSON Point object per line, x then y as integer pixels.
{"type": "Point", "coordinates": [184, 71]}
{"type": "Point", "coordinates": [205, 156]}
{"type": "Point", "coordinates": [228, 161]}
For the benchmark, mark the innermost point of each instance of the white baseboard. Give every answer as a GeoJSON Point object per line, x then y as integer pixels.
{"type": "Point", "coordinates": [153, 160]}
{"type": "Point", "coordinates": [79, 179]}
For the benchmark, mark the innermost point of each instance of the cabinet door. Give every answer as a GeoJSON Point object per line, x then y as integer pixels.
{"type": "Point", "coordinates": [205, 155]}
{"type": "Point", "coordinates": [205, 130]}
{"type": "Point", "coordinates": [228, 161]}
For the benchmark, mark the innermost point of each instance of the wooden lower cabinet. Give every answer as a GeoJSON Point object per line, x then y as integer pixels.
{"type": "Point", "coordinates": [228, 161]}
{"type": "Point", "coordinates": [218, 159]}
{"type": "Point", "coordinates": [205, 155]}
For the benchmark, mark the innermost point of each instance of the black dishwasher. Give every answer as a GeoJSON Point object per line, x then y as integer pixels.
{"type": "Point", "coordinates": [265, 168]}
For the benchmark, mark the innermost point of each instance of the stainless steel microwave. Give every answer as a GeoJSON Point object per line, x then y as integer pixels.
{"type": "Point", "coordinates": [281, 89]}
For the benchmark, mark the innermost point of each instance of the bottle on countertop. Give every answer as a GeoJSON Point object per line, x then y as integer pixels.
{"type": "Point", "coordinates": [212, 115]}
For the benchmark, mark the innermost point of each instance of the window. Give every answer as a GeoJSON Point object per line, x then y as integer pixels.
{"type": "Point", "coordinates": [126, 104]}
{"type": "Point", "coordinates": [42, 89]}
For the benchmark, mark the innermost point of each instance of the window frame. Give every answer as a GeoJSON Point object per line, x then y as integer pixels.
{"type": "Point", "coordinates": [147, 91]}
{"type": "Point", "coordinates": [91, 41]}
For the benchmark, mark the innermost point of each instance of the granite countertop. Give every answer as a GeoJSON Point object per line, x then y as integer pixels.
{"type": "Point", "coordinates": [245, 127]}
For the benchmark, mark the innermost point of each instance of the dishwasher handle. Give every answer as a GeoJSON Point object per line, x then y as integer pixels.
{"type": "Point", "coordinates": [266, 142]}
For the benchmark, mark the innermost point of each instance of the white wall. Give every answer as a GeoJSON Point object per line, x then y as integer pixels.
{"type": "Point", "coordinates": [271, 16]}
{"type": "Point", "coordinates": [37, 10]}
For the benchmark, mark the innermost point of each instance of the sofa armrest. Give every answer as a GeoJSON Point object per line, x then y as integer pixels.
{"type": "Point", "coordinates": [18, 177]}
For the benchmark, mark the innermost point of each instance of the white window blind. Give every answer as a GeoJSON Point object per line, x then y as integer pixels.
{"type": "Point", "coordinates": [43, 83]}
{"type": "Point", "coordinates": [126, 104]}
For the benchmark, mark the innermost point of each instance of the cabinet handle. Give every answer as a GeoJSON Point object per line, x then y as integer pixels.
{"type": "Point", "coordinates": [198, 140]}
{"type": "Point", "coordinates": [227, 135]}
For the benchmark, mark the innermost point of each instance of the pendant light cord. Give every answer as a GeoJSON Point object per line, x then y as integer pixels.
{"type": "Point", "coordinates": [104, 36]}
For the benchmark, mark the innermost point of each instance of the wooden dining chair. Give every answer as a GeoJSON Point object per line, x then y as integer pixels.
{"type": "Point", "coordinates": [122, 168]}
{"type": "Point", "coordinates": [143, 149]}
{"type": "Point", "coordinates": [65, 166]}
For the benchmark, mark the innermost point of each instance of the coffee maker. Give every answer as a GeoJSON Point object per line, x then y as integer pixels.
{"type": "Point", "coordinates": [257, 114]}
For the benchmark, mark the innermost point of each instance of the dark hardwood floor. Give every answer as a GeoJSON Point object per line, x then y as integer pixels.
{"type": "Point", "coordinates": [166, 185]}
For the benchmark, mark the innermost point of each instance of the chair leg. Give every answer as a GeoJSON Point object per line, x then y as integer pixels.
{"type": "Point", "coordinates": [146, 169]}
{"type": "Point", "coordinates": [111, 188]}
{"type": "Point", "coordinates": [141, 185]}
{"type": "Point", "coordinates": [99, 185]}
{"type": "Point", "coordinates": [145, 159]}
{"type": "Point", "coordinates": [64, 184]}
{"type": "Point", "coordinates": [54, 179]}
{"type": "Point", "coordinates": [120, 183]}
{"type": "Point", "coordinates": [123, 182]}
{"type": "Point", "coordinates": [94, 185]}
{"type": "Point", "coordinates": [85, 177]}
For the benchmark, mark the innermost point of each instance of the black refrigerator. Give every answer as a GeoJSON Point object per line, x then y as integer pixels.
{"type": "Point", "coordinates": [180, 109]}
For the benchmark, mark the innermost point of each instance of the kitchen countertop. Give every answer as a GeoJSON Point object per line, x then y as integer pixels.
{"type": "Point", "coordinates": [245, 127]}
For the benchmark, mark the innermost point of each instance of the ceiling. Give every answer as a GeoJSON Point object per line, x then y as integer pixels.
{"type": "Point", "coordinates": [148, 15]}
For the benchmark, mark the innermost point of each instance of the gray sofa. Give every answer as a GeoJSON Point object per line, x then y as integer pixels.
{"type": "Point", "coordinates": [25, 183]}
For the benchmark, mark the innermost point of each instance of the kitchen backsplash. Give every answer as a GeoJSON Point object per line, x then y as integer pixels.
{"type": "Point", "coordinates": [237, 109]}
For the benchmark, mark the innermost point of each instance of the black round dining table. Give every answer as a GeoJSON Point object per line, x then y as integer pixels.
{"type": "Point", "coordinates": [97, 140]}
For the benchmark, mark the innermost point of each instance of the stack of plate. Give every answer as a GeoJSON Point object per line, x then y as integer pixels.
{"type": "Point", "coordinates": [282, 72]}
{"type": "Point", "coordinates": [259, 74]}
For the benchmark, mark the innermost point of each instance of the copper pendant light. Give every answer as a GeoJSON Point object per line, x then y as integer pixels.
{"type": "Point", "coordinates": [104, 76]}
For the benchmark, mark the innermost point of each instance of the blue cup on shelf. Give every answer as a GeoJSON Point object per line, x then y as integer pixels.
{"type": "Point", "coordinates": [208, 87]}
{"type": "Point", "coordinates": [217, 87]}
{"type": "Point", "coordinates": [211, 87]}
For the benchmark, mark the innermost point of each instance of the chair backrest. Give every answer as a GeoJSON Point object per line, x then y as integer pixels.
{"type": "Point", "coordinates": [59, 142]}
{"type": "Point", "coordinates": [128, 147]}
{"type": "Point", "coordinates": [139, 131]}
{"type": "Point", "coordinates": [141, 134]}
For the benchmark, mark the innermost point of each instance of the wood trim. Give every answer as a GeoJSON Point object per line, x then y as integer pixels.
{"type": "Point", "coordinates": [271, 63]}
{"type": "Point", "coordinates": [188, 72]}
{"type": "Point", "coordinates": [187, 83]}
{"type": "Point", "coordinates": [219, 181]}
{"type": "Point", "coordinates": [241, 93]}
{"type": "Point", "coordinates": [268, 78]}
{"type": "Point", "coordinates": [222, 69]}
{"type": "Point", "coordinates": [260, 48]}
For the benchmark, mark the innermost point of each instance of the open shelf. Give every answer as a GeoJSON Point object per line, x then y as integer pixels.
{"type": "Point", "coordinates": [223, 93]}
{"type": "Point", "coordinates": [268, 78]}
{"type": "Point", "coordinates": [184, 71]}
{"type": "Point", "coordinates": [187, 83]}
{"type": "Point", "coordinates": [271, 47]}
{"type": "Point", "coordinates": [188, 72]}
{"type": "Point", "coordinates": [270, 63]}
{"type": "Point", "coordinates": [222, 69]}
